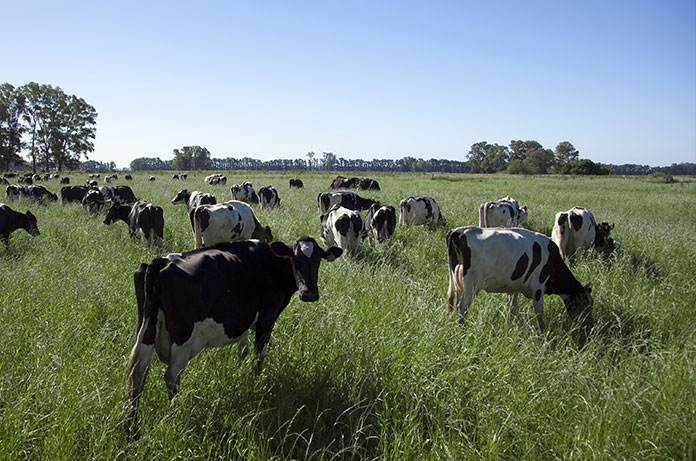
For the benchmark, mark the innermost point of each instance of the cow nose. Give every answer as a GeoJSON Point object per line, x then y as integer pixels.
{"type": "Point", "coordinates": [309, 296]}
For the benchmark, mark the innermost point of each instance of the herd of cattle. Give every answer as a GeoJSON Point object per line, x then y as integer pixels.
{"type": "Point", "coordinates": [238, 278]}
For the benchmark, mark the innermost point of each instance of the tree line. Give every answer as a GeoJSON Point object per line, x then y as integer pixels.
{"type": "Point", "coordinates": [57, 129]}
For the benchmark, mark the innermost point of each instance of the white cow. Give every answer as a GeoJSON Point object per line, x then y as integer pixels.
{"type": "Point", "coordinates": [505, 212]}
{"type": "Point", "coordinates": [227, 222]}
{"type": "Point", "coordinates": [244, 192]}
{"type": "Point", "coordinates": [420, 210]}
{"type": "Point", "coordinates": [341, 227]}
{"type": "Point", "coordinates": [576, 230]}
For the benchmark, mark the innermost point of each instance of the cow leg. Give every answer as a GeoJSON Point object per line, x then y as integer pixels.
{"type": "Point", "coordinates": [263, 335]}
{"type": "Point", "coordinates": [172, 376]}
{"type": "Point", "coordinates": [465, 302]}
{"type": "Point", "coordinates": [512, 302]}
{"type": "Point", "coordinates": [138, 368]}
{"type": "Point", "coordinates": [243, 345]}
{"type": "Point", "coordinates": [539, 310]}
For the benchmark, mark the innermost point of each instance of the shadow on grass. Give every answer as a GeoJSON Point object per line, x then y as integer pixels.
{"type": "Point", "coordinates": [639, 262]}
{"type": "Point", "coordinates": [620, 332]}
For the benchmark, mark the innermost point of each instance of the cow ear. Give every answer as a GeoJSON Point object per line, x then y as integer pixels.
{"type": "Point", "coordinates": [29, 214]}
{"type": "Point", "coordinates": [281, 249]}
{"type": "Point", "coordinates": [588, 287]}
{"type": "Point", "coordinates": [331, 253]}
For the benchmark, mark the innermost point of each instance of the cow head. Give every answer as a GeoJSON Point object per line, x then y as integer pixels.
{"type": "Point", "coordinates": [181, 197]}
{"type": "Point", "coordinates": [579, 306]}
{"type": "Point", "coordinates": [602, 240]}
{"type": "Point", "coordinates": [306, 254]}
{"type": "Point", "coordinates": [32, 228]}
{"type": "Point", "coordinates": [116, 212]}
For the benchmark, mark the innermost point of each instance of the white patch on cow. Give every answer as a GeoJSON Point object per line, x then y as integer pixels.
{"type": "Point", "coordinates": [209, 333]}
{"type": "Point", "coordinates": [307, 249]}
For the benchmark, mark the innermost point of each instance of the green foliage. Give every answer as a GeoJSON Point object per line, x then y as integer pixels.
{"type": "Point", "coordinates": [12, 108]}
{"type": "Point", "coordinates": [191, 158]}
{"type": "Point", "coordinates": [375, 369]}
{"type": "Point", "coordinates": [585, 167]}
{"type": "Point", "coordinates": [661, 177]}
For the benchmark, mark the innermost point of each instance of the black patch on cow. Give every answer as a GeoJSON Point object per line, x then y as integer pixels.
{"type": "Point", "coordinates": [428, 208]}
{"type": "Point", "coordinates": [343, 224]}
{"type": "Point", "coordinates": [562, 219]}
{"type": "Point", "coordinates": [203, 218]}
{"type": "Point", "coordinates": [520, 267]}
{"type": "Point", "coordinates": [576, 221]}
{"type": "Point", "coordinates": [536, 259]}
{"type": "Point", "coordinates": [548, 267]}
{"type": "Point", "coordinates": [537, 295]}
{"type": "Point", "coordinates": [458, 251]}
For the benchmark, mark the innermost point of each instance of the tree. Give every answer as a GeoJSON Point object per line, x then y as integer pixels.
{"type": "Point", "coordinates": [329, 160]}
{"type": "Point", "coordinates": [519, 149]}
{"type": "Point", "coordinates": [539, 160]}
{"type": "Point", "coordinates": [565, 152]}
{"type": "Point", "coordinates": [12, 108]}
{"type": "Point", "coordinates": [192, 158]}
{"type": "Point", "coordinates": [476, 156]}
{"type": "Point", "coordinates": [584, 167]}
{"type": "Point", "coordinates": [310, 155]}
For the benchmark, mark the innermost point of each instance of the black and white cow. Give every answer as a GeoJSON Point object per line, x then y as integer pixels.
{"type": "Point", "coordinates": [193, 200]}
{"type": "Point", "coordinates": [128, 177]}
{"type": "Point", "coordinates": [420, 210]}
{"type": "Point", "coordinates": [70, 194]}
{"type": "Point", "coordinates": [216, 179]}
{"type": "Point", "coordinates": [341, 227]}
{"type": "Point", "coordinates": [13, 192]}
{"type": "Point", "coordinates": [505, 212]}
{"type": "Point", "coordinates": [268, 197]}
{"type": "Point", "coordinates": [94, 201]}
{"type": "Point", "coordinates": [212, 297]}
{"type": "Point", "coordinates": [346, 199]}
{"type": "Point", "coordinates": [512, 261]}
{"type": "Point", "coordinates": [142, 218]}
{"type": "Point", "coordinates": [367, 184]}
{"type": "Point", "coordinates": [38, 192]}
{"type": "Point", "coordinates": [380, 223]}
{"type": "Point", "coordinates": [227, 222]}
{"type": "Point", "coordinates": [244, 193]}
{"type": "Point", "coordinates": [65, 180]}
{"type": "Point", "coordinates": [118, 194]}
{"type": "Point", "coordinates": [11, 220]}
{"type": "Point", "coordinates": [5, 182]}
{"type": "Point", "coordinates": [296, 183]}
{"type": "Point", "coordinates": [576, 230]}
{"type": "Point", "coordinates": [151, 178]}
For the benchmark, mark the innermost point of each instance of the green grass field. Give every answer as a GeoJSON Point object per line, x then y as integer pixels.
{"type": "Point", "coordinates": [375, 369]}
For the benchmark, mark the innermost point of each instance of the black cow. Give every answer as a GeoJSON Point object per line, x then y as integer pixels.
{"type": "Point", "coordinates": [346, 199]}
{"type": "Point", "coordinates": [93, 200]}
{"type": "Point", "coordinates": [211, 297]}
{"type": "Point", "coordinates": [65, 180]}
{"type": "Point", "coordinates": [72, 194]}
{"type": "Point", "coordinates": [11, 220]}
{"type": "Point", "coordinates": [142, 217]}
{"type": "Point", "coordinates": [193, 200]}
{"type": "Point", "coordinates": [296, 183]}
{"type": "Point", "coordinates": [129, 177]}
{"type": "Point", "coordinates": [380, 223]}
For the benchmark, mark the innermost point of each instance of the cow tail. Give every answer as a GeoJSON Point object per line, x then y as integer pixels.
{"type": "Point", "coordinates": [482, 215]}
{"type": "Point", "coordinates": [197, 234]}
{"type": "Point", "coordinates": [452, 261]}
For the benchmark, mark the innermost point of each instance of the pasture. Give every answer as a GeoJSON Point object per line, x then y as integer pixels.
{"type": "Point", "coordinates": [375, 369]}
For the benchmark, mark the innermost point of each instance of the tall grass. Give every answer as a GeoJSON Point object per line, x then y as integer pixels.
{"type": "Point", "coordinates": [375, 369]}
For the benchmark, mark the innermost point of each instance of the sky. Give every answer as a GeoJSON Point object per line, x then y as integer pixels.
{"type": "Point", "coordinates": [367, 79]}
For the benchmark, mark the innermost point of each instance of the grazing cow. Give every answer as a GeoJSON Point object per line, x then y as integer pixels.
{"type": "Point", "coordinates": [4, 182]}
{"type": "Point", "coordinates": [11, 220]}
{"type": "Point", "coordinates": [505, 212]}
{"type": "Point", "coordinates": [268, 197]}
{"type": "Point", "coordinates": [93, 200]}
{"type": "Point", "coordinates": [244, 193]}
{"type": "Point", "coordinates": [341, 227]}
{"type": "Point", "coordinates": [38, 192]}
{"type": "Point", "coordinates": [193, 200]}
{"type": "Point", "coordinates": [512, 261]}
{"type": "Point", "coordinates": [346, 199]}
{"type": "Point", "coordinates": [92, 184]}
{"type": "Point", "coordinates": [213, 297]}
{"type": "Point", "coordinates": [151, 178]}
{"type": "Point", "coordinates": [227, 222]}
{"type": "Point", "coordinates": [296, 183]}
{"type": "Point", "coordinates": [94, 175]}
{"type": "Point", "coordinates": [118, 194]}
{"type": "Point", "coordinates": [109, 179]}
{"type": "Point", "coordinates": [420, 210]}
{"type": "Point", "coordinates": [65, 180]}
{"type": "Point", "coordinates": [183, 176]}
{"type": "Point", "coordinates": [72, 194]}
{"type": "Point", "coordinates": [129, 177]}
{"type": "Point", "coordinates": [175, 176]}
{"type": "Point", "coordinates": [575, 230]}
{"type": "Point", "coordinates": [13, 192]}
{"type": "Point", "coordinates": [216, 179]}
{"type": "Point", "coordinates": [142, 217]}
{"type": "Point", "coordinates": [341, 182]}
{"type": "Point", "coordinates": [380, 223]}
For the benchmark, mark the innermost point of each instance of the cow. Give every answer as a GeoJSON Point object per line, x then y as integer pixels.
{"type": "Point", "coordinates": [65, 180]}
{"type": "Point", "coordinates": [91, 184]}
{"type": "Point", "coordinates": [268, 197]}
{"type": "Point", "coordinates": [183, 176]}
{"type": "Point", "coordinates": [216, 179]}
{"type": "Point", "coordinates": [367, 184]}
{"type": "Point", "coordinates": [296, 183]}
{"type": "Point", "coordinates": [212, 297]}
{"type": "Point", "coordinates": [513, 261]}
{"type": "Point", "coordinates": [341, 182]}
{"type": "Point", "coordinates": [118, 194]}
{"type": "Point", "coordinates": [341, 227]}
{"type": "Point", "coordinates": [11, 220]}
{"type": "Point", "coordinates": [175, 176]}
{"type": "Point", "coordinates": [70, 194]}
{"type": "Point", "coordinates": [227, 222]}
{"type": "Point", "coordinates": [5, 182]}
{"type": "Point", "coordinates": [380, 223]}
{"type": "Point", "coordinates": [420, 210]}
{"type": "Point", "coordinates": [151, 178]}
{"type": "Point", "coordinates": [346, 199]}
{"type": "Point", "coordinates": [193, 200]}
{"type": "Point", "coordinates": [128, 177]}
{"type": "Point", "coordinates": [576, 230]}
{"type": "Point", "coordinates": [93, 200]}
{"type": "Point", "coordinates": [505, 212]}
{"type": "Point", "coordinates": [109, 179]}
{"type": "Point", "coordinates": [244, 193]}
{"type": "Point", "coordinates": [13, 192]}
{"type": "Point", "coordinates": [38, 192]}
{"type": "Point", "coordinates": [142, 218]}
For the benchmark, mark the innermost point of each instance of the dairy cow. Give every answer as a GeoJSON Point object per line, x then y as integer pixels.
{"type": "Point", "coordinates": [227, 222]}
{"type": "Point", "coordinates": [13, 192]}
{"type": "Point", "coordinates": [118, 194]}
{"type": "Point", "coordinates": [193, 200]}
{"type": "Point", "coordinates": [212, 297]}
{"type": "Point", "coordinates": [244, 193]}
{"type": "Point", "coordinates": [143, 219]}
{"type": "Point", "coordinates": [576, 230]}
{"type": "Point", "coordinates": [268, 197]}
{"type": "Point", "coordinates": [380, 223]}
{"type": "Point", "coordinates": [341, 227]}
{"type": "Point", "coordinates": [94, 201]}
{"type": "Point", "coordinates": [420, 210]}
{"type": "Point", "coordinates": [11, 220]}
{"type": "Point", "coordinates": [346, 199]}
{"type": "Point", "coordinates": [505, 212]}
{"type": "Point", "coordinates": [70, 194]}
{"type": "Point", "coordinates": [296, 183]}
{"type": "Point", "coordinates": [512, 261]}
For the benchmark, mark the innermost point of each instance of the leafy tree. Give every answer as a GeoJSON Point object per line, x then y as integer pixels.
{"type": "Point", "coordinates": [476, 156]}
{"type": "Point", "coordinates": [192, 158]}
{"type": "Point", "coordinates": [310, 155]}
{"type": "Point", "coordinates": [540, 161]}
{"type": "Point", "coordinates": [584, 167]}
{"type": "Point", "coordinates": [519, 149]}
{"type": "Point", "coordinates": [329, 160]}
{"type": "Point", "coordinates": [12, 108]}
{"type": "Point", "coordinates": [565, 152]}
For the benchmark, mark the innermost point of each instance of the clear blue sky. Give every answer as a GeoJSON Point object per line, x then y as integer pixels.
{"type": "Point", "coordinates": [367, 79]}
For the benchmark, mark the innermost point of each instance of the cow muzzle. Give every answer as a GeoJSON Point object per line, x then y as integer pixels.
{"type": "Point", "coordinates": [309, 296]}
